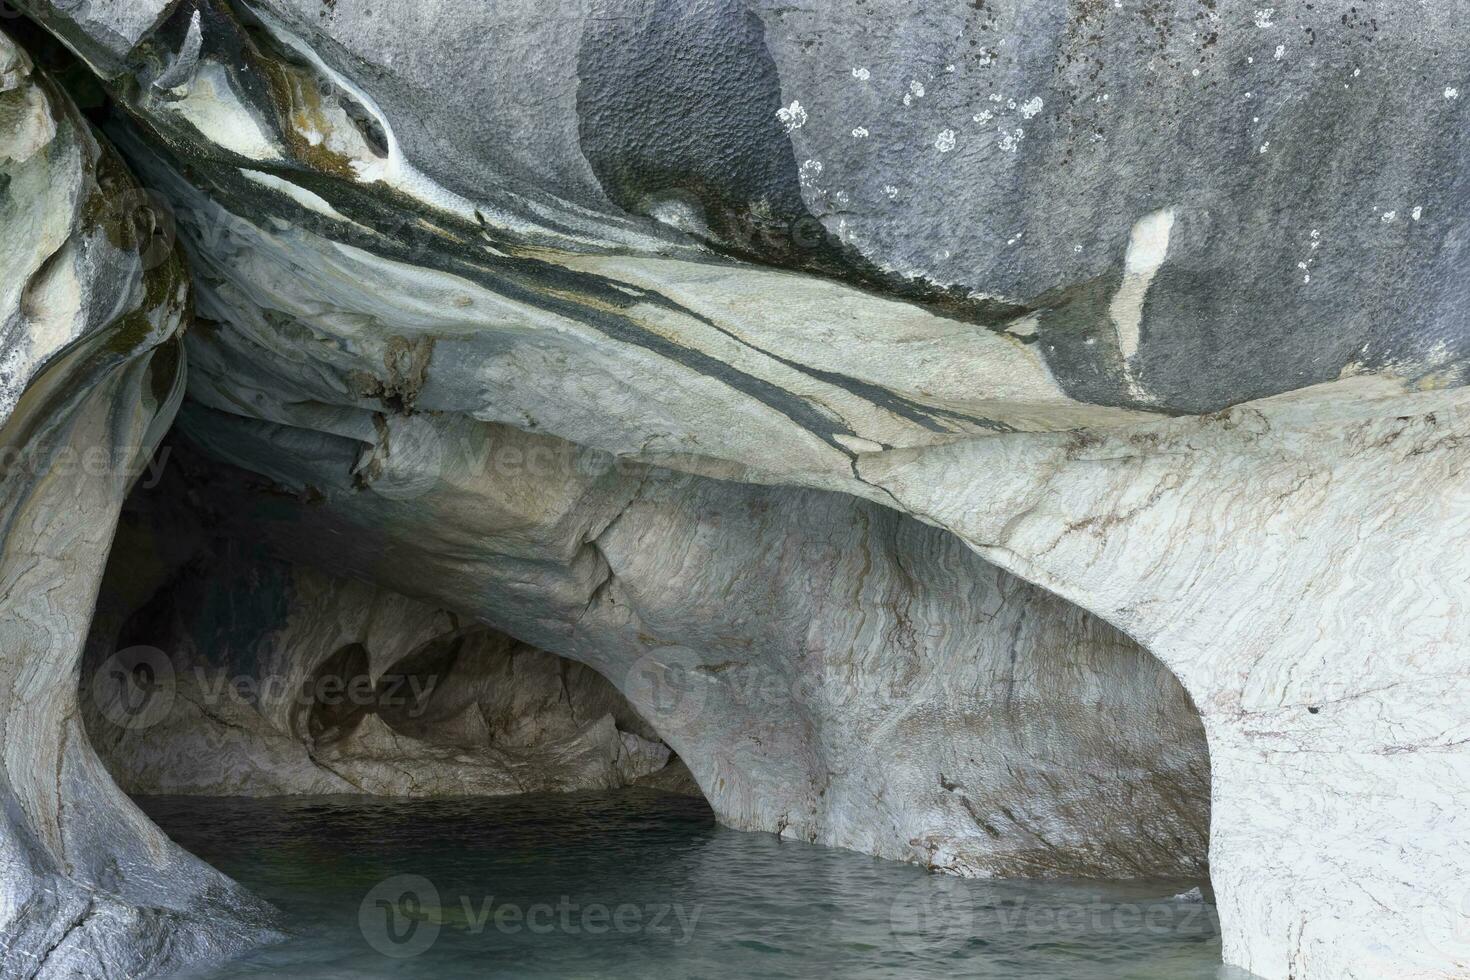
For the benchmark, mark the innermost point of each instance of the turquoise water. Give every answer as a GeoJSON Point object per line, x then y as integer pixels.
{"type": "Point", "coordinates": [645, 885]}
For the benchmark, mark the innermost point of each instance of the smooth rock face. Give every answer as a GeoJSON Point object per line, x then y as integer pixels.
{"type": "Point", "coordinates": [732, 348]}
{"type": "Point", "coordinates": [1002, 160]}
{"type": "Point", "coordinates": [90, 376]}
{"type": "Point", "coordinates": [1298, 563]}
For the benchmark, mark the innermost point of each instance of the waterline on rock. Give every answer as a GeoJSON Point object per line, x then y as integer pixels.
{"type": "Point", "coordinates": [637, 883]}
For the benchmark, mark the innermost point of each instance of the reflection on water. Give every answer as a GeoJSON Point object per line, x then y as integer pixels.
{"type": "Point", "coordinates": [639, 884]}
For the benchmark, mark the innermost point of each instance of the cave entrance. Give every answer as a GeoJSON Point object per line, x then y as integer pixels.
{"type": "Point", "coordinates": [215, 669]}
{"type": "Point", "coordinates": [926, 706]}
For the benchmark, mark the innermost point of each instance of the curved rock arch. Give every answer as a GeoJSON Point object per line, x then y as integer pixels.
{"type": "Point", "coordinates": [1233, 545]}
{"type": "Point", "coordinates": [1323, 670]}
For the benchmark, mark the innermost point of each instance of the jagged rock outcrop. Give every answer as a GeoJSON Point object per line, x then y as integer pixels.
{"type": "Point", "coordinates": [91, 372]}
{"type": "Point", "coordinates": [734, 343]}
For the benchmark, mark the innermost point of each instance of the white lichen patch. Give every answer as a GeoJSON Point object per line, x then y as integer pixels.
{"type": "Point", "coordinates": [1280, 51]}
{"type": "Point", "coordinates": [983, 117]}
{"type": "Point", "coordinates": [1264, 15]}
{"type": "Point", "coordinates": [860, 133]}
{"type": "Point", "coordinates": [916, 89]}
{"type": "Point", "coordinates": [891, 191]}
{"type": "Point", "coordinates": [1011, 141]}
{"type": "Point", "coordinates": [1417, 213]}
{"type": "Point", "coordinates": [14, 370]}
{"type": "Point", "coordinates": [1314, 242]}
{"type": "Point", "coordinates": [945, 141]}
{"type": "Point", "coordinates": [792, 116]}
{"type": "Point", "coordinates": [1032, 107]}
{"type": "Point", "coordinates": [1452, 93]}
{"type": "Point", "coordinates": [1389, 217]}
{"type": "Point", "coordinates": [808, 173]}
{"type": "Point", "coordinates": [861, 74]}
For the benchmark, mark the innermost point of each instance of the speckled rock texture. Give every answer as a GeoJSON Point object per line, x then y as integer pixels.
{"type": "Point", "coordinates": [90, 376]}
{"type": "Point", "coordinates": [853, 384]}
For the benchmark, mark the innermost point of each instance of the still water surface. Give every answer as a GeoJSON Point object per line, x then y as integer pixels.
{"type": "Point", "coordinates": [643, 885]}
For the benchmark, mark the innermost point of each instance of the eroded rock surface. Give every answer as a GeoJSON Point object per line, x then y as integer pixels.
{"type": "Point", "coordinates": [739, 347]}
{"type": "Point", "coordinates": [272, 679]}
{"type": "Point", "coordinates": [90, 376]}
{"type": "Point", "coordinates": [828, 669]}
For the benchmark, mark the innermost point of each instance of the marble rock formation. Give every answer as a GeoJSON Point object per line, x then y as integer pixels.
{"type": "Point", "coordinates": [91, 373]}
{"type": "Point", "coordinates": [1002, 436]}
{"type": "Point", "coordinates": [273, 679]}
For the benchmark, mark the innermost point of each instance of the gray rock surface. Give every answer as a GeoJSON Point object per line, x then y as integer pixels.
{"type": "Point", "coordinates": [829, 670]}
{"type": "Point", "coordinates": [271, 679]}
{"type": "Point", "coordinates": [90, 376]}
{"type": "Point", "coordinates": [835, 349]}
